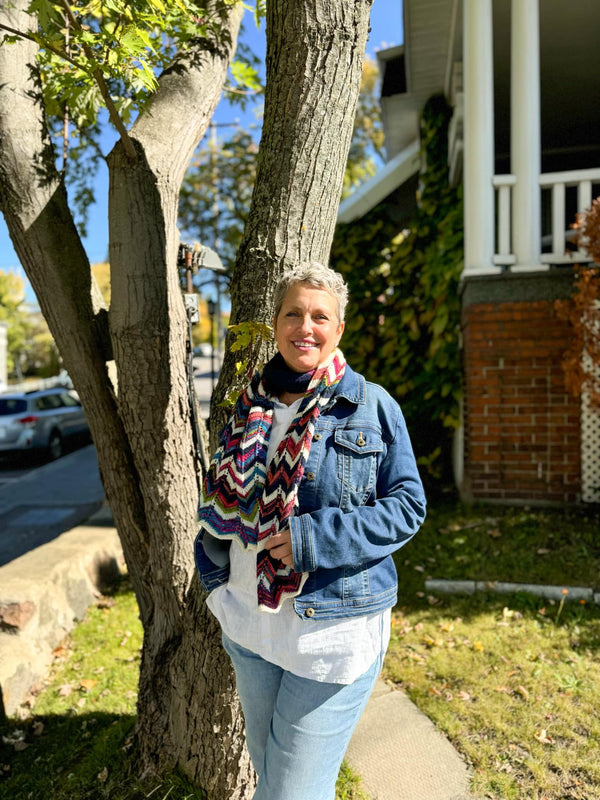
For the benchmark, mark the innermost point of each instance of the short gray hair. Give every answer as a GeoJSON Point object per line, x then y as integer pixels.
{"type": "Point", "coordinates": [316, 275]}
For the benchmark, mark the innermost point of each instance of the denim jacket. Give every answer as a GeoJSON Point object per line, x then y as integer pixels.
{"type": "Point", "coordinates": [359, 500]}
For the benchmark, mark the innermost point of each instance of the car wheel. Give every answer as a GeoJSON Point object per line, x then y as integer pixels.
{"type": "Point", "coordinates": [55, 445]}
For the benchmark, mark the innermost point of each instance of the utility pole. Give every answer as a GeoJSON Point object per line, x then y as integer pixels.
{"type": "Point", "coordinates": [214, 173]}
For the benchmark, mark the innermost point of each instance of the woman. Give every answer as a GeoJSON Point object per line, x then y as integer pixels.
{"type": "Point", "coordinates": [313, 487]}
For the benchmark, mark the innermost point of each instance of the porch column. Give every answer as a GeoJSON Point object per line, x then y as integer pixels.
{"type": "Point", "coordinates": [525, 137]}
{"type": "Point", "coordinates": [479, 138]}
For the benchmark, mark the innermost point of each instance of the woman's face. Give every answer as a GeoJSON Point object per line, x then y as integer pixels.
{"type": "Point", "coordinates": [307, 329]}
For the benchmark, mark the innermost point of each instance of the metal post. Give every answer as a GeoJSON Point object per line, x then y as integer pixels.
{"type": "Point", "coordinates": [211, 311]}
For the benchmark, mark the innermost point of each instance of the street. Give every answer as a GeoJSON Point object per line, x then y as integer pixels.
{"type": "Point", "coordinates": [38, 503]}
{"type": "Point", "coordinates": [10, 472]}
{"type": "Point", "coordinates": [203, 381]}
{"type": "Point", "coordinates": [39, 500]}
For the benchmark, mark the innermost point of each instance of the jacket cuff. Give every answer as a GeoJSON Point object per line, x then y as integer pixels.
{"type": "Point", "coordinates": [303, 551]}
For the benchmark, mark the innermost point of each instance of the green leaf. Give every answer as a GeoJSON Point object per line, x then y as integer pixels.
{"type": "Point", "coordinates": [245, 75]}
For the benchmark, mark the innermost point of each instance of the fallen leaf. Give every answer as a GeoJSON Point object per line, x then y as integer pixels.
{"type": "Point", "coordinates": [543, 551]}
{"type": "Point", "coordinates": [435, 691]}
{"type": "Point", "coordinates": [543, 737]}
{"type": "Point", "coordinates": [464, 696]}
{"type": "Point", "coordinates": [37, 727]}
{"type": "Point", "coordinates": [494, 533]}
{"type": "Point", "coordinates": [65, 690]}
{"type": "Point", "coordinates": [87, 684]}
{"type": "Point", "coordinates": [446, 626]}
{"type": "Point", "coordinates": [14, 737]}
{"type": "Point", "coordinates": [103, 775]}
{"type": "Point", "coordinates": [20, 746]}
{"type": "Point", "coordinates": [523, 692]}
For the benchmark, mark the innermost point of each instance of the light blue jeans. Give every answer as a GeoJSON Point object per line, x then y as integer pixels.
{"type": "Point", "coordinates": [297, 730]}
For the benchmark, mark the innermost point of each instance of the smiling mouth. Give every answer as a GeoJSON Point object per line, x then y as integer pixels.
{"type": "Point", "coordinates": [304, 345]}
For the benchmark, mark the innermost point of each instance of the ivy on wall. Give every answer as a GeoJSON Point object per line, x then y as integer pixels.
{"type": "Point", "coordinates": [402, 324]}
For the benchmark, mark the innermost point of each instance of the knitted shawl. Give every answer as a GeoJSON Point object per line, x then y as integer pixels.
{"type": "Point", "coordinates": [248, 501]}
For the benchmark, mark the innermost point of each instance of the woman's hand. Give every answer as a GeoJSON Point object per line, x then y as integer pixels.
{"type": "Point", "coordinates": [280, 546]}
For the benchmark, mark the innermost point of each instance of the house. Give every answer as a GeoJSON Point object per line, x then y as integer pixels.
{"type": "Point", "coordinates": [522, 79]}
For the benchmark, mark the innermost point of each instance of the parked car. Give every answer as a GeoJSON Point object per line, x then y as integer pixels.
{"type": "Point", "coordinates": [40, 421]}
{"type": "Point", "coordinates": [203, 350]}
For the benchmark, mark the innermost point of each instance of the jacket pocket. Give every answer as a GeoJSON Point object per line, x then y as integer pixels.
{"type": "Point", "coordinates": [357, 459]}
{"type": "Point", "coordinates": [211, 574]}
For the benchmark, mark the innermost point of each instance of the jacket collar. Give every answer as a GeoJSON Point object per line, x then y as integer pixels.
{"type": "Point", "coordinates": [352, 387]}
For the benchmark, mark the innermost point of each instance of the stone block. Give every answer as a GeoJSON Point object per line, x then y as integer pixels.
{"type": "Point", "coordinates": [42, 596]}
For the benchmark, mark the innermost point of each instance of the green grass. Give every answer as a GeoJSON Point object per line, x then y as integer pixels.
{"type": "Point", "coordinates": [77, 743]}
{"type": "Point", "coordinates": [514, 681]}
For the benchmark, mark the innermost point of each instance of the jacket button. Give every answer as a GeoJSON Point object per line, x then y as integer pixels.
{"type": "Point", "coordinates": [361, 441]}
{"type": "Point", "coordinates": [316, 437]}
{"type": "Point", "coordinates": [310, 612]}
{"type": "Point", "coordinates": [310, 476]}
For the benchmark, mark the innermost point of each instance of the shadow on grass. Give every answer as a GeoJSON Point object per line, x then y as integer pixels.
{"type": "Point", "coordinates": [549, 546]}
{"type": "Point", "coordinates": [581, 621]}
{"type": "Point", "coordinates": [79, 757]}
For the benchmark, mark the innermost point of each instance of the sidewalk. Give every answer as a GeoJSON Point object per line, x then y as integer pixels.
{"type": "Point", "coordinates": [396, 749]}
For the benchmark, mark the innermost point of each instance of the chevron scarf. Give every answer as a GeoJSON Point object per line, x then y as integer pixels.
{"type": "Point", "coordinates": [247, 500]}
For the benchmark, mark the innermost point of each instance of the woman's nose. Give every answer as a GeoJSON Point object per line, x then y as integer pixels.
{"type": "Point", "coordinates": [306, 324]}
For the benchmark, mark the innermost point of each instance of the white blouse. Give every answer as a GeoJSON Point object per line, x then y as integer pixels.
{"type": "Point", "coordinates": [335, 651]}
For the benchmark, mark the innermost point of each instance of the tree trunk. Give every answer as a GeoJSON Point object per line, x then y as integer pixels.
{"type": "Point", "coordinates": [143, 438]}
{"type": "Point", "coordinates": [187, 716]}
{"type": "Point", "coordinates": [315, 50]}
{"type": "Point", "coordinates": [186, 685]}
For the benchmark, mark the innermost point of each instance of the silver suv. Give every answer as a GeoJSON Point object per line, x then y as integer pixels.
{"type": "Point", "coordinates": [40, 420]}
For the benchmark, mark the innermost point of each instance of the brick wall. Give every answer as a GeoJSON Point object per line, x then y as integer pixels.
{"type": "Point", "coordinates": [521, 427]}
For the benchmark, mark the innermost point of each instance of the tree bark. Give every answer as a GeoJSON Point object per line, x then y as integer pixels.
{"type": "Point", "coordinates": [34, 203]}
{"type": "Point", "coordinates": [187, 716]}
{"type": "Point", "coordinates": [143, 437]}
{"type": "Point", "coordinates": [186, 684]}
{"type": "Point", "coordinates": [315, 51]}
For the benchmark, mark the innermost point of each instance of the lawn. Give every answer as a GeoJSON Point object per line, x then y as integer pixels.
{"type": "Point", "coordinates": [76, 742]}
{"type": "Point", "coordinates": [512, 680]}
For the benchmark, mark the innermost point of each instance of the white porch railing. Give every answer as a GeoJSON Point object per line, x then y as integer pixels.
{"type": "Point", "coordinates": [563, 195]}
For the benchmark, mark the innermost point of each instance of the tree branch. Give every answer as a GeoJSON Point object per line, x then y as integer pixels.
{"type": "Point", "coordinates": [41, 43]}
{"type": "Point", "coordinates": [99, 78]}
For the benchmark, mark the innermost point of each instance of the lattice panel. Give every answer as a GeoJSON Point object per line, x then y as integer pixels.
{"type": "Point", "coordinates": [590, 451]}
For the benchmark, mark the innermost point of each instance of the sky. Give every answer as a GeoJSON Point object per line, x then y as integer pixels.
{"type": "Point", "coordinates": [386, 31]}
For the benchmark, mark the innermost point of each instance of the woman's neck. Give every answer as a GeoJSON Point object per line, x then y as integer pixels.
{"type": "Point", "coordinates": [287, 398]}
